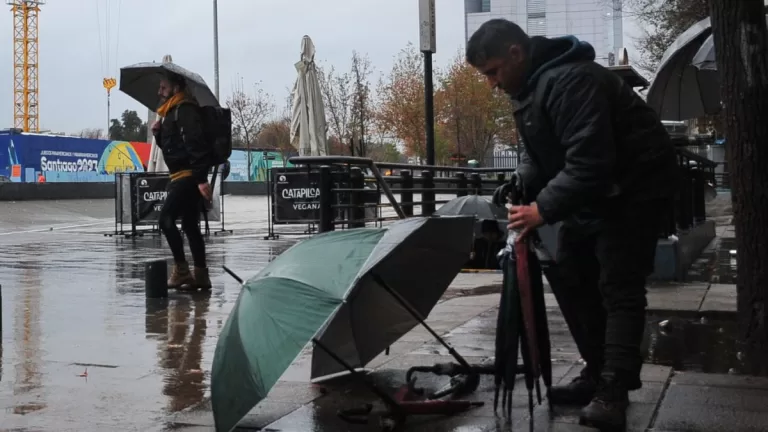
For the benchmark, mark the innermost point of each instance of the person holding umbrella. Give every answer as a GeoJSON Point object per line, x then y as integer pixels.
{"type": "Point", "coordinates": [181, 138]}
{"type": "Point", "coordinates": [597, 158]}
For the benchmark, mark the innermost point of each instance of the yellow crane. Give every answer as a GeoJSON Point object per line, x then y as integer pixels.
{"type": "Point", "coordinates": [26, 90]}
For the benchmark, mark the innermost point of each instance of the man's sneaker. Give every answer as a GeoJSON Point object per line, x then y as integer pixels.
{"type": "Point", "coordinates": [180, 276]}
{"type": "Point", "coordinates": [578, 392]}
{"type": "Point", "coordinates": [202, 278]}
{"type": "Point", "coordinates": [608, 410]}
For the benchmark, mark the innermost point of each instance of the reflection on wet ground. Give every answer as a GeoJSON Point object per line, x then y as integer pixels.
{"type": "Point", "coordinates": [697, 345]}
{"type": "Point", "coordinates": [81, 348]}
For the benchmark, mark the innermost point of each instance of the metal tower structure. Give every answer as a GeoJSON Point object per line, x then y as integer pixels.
{"type": "Point", "coordinates": [26, 108]}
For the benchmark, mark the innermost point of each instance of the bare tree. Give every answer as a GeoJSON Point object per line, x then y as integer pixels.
{"type": "Point", "coordinates": [348, 104]}
{"type": "Point", "coordinates": [92, 133]}
{"type": "Point", "coordinates": [337, 97]}
{"type": "Point", "coordinates": [249, 113]}
{"type": "Point", "coordinates": [661, 22]}
{"type": "Point", "coordinates": [361, 112]}
{"type": "Point", "coordinates": [276, 135]}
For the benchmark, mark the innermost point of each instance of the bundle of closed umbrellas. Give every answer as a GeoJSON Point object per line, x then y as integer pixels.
{"type": "Point", "coordinates": [352, 294]}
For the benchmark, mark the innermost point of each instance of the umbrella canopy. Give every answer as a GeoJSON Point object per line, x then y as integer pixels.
{"type": "Point", "coordinates": [478, 206]}
{"type": "Point", "coordinates": [680, 91]}
{"type": "Point", "coordinates": [472, 205]}
{"type": "Point", "coordinates": [141, 81]}
{"type": "Point", "coordinates": [308, 125]}
{"type": "Point", "coordinates": [705, 59]}
{"type": "Point", "coordinates": [342, 300]}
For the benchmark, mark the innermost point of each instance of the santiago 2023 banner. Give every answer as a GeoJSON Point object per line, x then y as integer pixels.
{"type": "Point", "coordinates": [70, 159]}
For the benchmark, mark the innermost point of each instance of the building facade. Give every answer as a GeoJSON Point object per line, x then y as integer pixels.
{"type": "Point", "coordinates": [598, 22]}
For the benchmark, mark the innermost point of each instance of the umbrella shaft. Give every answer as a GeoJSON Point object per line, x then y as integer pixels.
{"type": "Point", "coordinates": [384, 396]}
{"type": "Point", "coordinates": [421, 321]}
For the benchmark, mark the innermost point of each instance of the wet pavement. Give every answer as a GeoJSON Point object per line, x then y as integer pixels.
{"type": "Point", "coordinates": [83, 350]}
{"type": "Point", "coordinates": [81, 347]}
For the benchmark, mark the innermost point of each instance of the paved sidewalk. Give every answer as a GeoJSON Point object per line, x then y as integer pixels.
{"type": "Point", "coordinates": [668, 401]}
{"type": "Point", "coordinates": [73, 302]}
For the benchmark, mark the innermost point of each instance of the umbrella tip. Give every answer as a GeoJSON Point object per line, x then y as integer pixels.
{"type": "Point", "coordinates": [167, 58]}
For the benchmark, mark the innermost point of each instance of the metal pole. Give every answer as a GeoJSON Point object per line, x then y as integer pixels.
{"type": "Point", "coordinates": [216, 47]}
{"type": "Point", "coordinates": [429, 106]}
{"type": "Point", "coordinates": [109, 120]}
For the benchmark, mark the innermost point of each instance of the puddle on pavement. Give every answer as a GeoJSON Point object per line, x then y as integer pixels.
{"type": "Point", "coordinates": [717, 263]}
{"type": "Point", "coordinates": [697, 345]}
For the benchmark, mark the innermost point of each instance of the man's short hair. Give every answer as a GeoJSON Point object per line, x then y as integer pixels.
{"type": "Point", "coordinates": [176, 79]}
{"type": "Point", "coordinates": [493, 39]}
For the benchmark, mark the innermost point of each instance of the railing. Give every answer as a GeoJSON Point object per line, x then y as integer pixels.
{"type": "Point", "coordinates": [698, 176]}
{"type": "Point", "coordinates": [350, 189]}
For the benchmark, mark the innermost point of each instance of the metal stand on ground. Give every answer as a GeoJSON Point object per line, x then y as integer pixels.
{"type": "Point", "coordinates": [270, 227]}
{"type": "Point", "coordinates": [223, 210]}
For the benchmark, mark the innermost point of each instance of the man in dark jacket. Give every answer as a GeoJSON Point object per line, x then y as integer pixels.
{"type": "Point", "coordinates": [180, 136]}
{"type": "Point", "coordinates": [598, 159]}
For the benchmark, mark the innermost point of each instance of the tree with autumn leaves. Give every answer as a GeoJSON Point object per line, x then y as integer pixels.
{"type": "Point", "coordinates": [470, 117]}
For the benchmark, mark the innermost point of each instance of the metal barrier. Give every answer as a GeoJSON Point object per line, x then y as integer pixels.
{"type": "Point", "coordinates": [139, 198]}
{"type": "Point", "coordinates": [345, 185]}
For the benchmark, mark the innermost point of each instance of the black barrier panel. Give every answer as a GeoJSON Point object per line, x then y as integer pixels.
{"type": "Point", "coordinates": [151, 192]}
{"type": "Point", "coordinates": [296, 195]}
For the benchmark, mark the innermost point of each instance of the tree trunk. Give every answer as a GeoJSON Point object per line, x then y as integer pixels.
{"type": "Point", "coordinates": [741, 41]}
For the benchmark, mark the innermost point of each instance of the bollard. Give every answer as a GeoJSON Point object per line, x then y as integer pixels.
{"type": "Point", "coordinates": [477, 184]}
{"type": "Point", "coordinates": [156, 279]}
{"type": "Point", "coordinates": [461, 184]}
{"type": "Point", "coordinates": [356, 198]}
{"type": "Point", "coordinates": [428, 193]}
{"type": "Point", "coordinates": [326, 200]}
{"type": "Point", "coordinates": [406, 196]}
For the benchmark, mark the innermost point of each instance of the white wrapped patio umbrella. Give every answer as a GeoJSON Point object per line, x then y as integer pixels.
{"type": "Point", "coordinates": [308, 125]}
{"type": "Point", "coordinates": [156, 162]}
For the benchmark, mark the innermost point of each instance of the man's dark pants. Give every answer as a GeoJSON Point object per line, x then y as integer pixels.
{"type": "Point", "coordinates": [183, 201]}
{"type": "Point", "coordinates": [603, 268]}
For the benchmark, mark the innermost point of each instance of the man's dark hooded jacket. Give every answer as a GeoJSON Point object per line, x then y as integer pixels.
{"type": "Point", "coordinates": [589, 139]}
{"type": "Point", "coordinates": [182, 141]}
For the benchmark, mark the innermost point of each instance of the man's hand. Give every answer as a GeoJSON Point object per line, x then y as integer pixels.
{"type": "Point", "coordinates": [156, 127]}
{"type": "Point", "coordinates": [205, 191]}
{"type": "Point", "coordinates": [525, 218]}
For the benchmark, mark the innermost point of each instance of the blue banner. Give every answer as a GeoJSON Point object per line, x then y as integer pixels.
{"type": "Point", "coordinates": [25, 157]}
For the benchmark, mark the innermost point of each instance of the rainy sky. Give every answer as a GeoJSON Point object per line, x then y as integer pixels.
{"type": "Point", "coordinates": [83, 41]}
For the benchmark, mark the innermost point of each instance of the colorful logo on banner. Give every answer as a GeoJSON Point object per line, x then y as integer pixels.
{"type": "Point", "coordinates": [120, 156]}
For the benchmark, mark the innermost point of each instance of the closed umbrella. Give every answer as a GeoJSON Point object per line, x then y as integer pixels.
{"type": "Point", "coordinates": [359, 298]}
{"type": "Point", "coordinates": [680, 91]}
{"type": "Point", "coordinates": [308, 125]}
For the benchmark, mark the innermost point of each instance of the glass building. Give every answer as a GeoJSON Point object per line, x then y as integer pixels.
{"type": "Point", "coordinates": [598, 22]}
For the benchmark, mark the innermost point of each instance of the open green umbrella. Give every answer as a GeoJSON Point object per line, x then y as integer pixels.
{"type": "Point", "coordinates": [344, 288]}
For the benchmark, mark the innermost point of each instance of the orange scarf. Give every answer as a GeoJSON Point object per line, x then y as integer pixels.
{"type": "Point", "coordinates": [170, 103]}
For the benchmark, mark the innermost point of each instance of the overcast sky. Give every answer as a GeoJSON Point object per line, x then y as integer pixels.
{"type": "Point", "coordinates": [258, 41]}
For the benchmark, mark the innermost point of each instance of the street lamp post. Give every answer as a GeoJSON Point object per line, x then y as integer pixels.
{"type": "Point", "coordinates": [216, 48]}
{"type": "Point", "coordinates": [427, 36]}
